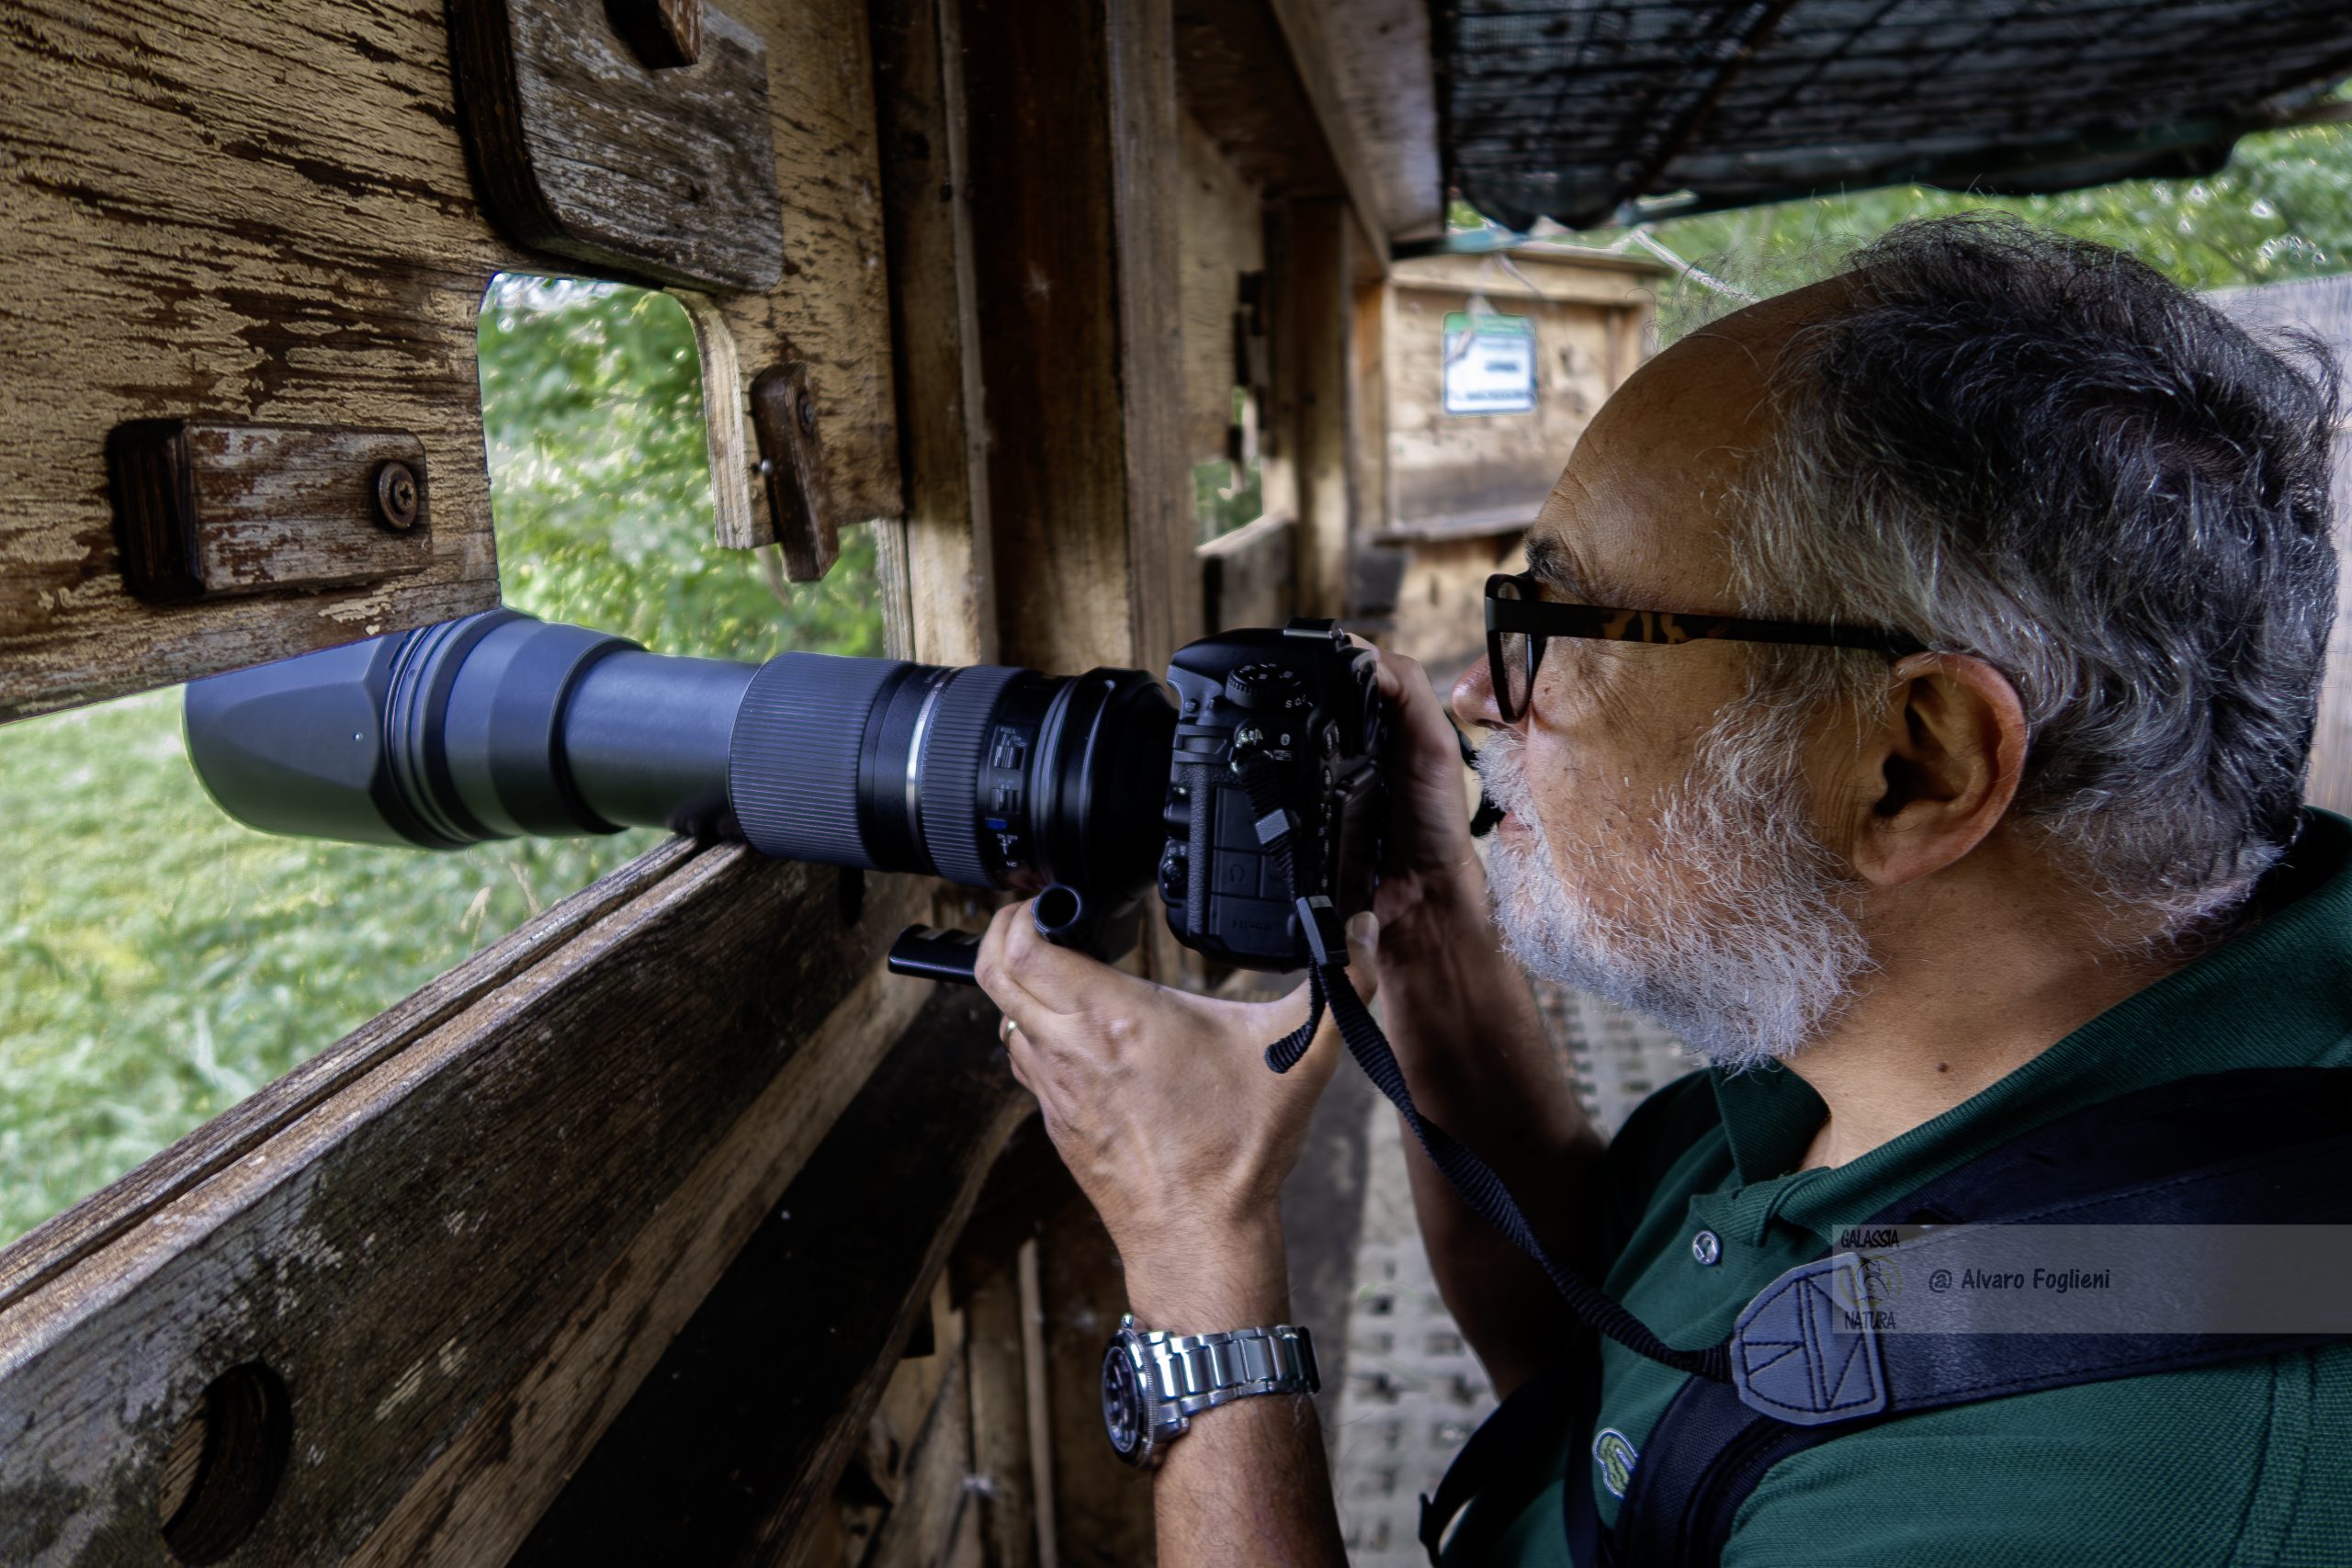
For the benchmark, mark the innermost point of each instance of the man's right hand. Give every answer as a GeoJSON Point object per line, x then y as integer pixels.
{"type": "Point", "coordinates": [1429, 874]}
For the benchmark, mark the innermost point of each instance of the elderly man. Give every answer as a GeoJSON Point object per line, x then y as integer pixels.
{"type": "Point", "coordinates": [1988, 810]}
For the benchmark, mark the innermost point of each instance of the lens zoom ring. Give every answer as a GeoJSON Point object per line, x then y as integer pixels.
{"type": "Point", "coordinates": [950, 789]}
{"type": "Point", "coordinates": [792, 762]}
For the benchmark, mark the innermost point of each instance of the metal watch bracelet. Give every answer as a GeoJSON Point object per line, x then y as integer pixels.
{"type": "Point", "coordinates": [1154, 1382]}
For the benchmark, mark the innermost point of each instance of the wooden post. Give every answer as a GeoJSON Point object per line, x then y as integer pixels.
{"type": "Point", "coordinates": [1073, 142]}
{"type": "Point", "coordinates": [1314, 301]}
{"type": "Point", "coordinates": [1368, 406]}
{"type": "Point", "coordinates": [919, 69]}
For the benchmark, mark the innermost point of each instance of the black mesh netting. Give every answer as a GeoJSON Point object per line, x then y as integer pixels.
{"type": "Point", "coordinates": [1574, 108]}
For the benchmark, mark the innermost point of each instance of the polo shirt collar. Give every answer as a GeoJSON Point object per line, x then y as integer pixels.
{"type": "Point", "coordinates": [2278, 994]}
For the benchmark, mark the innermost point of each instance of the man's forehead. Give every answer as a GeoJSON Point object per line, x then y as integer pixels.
{"type": "Point", "coordinates": [1638, 519]}
{"type": "Point", "coordinates": [1633, 546]}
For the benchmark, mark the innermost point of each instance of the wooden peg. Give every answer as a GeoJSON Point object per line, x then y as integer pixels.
{"type": "Point", "coordinates": [792, 460]}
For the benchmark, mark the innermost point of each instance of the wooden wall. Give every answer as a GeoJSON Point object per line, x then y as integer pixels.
{"type": "Point", "coordinates": [1221, 236]}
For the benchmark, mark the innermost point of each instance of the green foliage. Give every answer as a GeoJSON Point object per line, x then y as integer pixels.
{"type": "Point", "coordinates": [2282, 208]}
{"type": "Point", "coordinates": [591, 410]}
{"type": "Point", "coordinates": [1228, 495]}
{"type": "Point", "coordinates": [159, 963]}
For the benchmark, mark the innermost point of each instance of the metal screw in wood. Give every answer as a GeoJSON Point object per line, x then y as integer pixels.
{"type": "Point", "coordinates": [396, 497]}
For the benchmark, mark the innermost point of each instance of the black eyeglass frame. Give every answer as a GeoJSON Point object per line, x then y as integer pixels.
{"type": "Point", "coordinates": [1540, 620]}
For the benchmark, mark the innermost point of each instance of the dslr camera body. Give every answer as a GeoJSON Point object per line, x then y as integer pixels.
{"type": "Point", "coordinates": [1252, 802]}
{"type": "Point", "coordinates": [1277, 747]}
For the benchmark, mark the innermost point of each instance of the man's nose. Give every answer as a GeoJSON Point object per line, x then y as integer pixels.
{"type": "Point", "coordinates": [1473, 699]}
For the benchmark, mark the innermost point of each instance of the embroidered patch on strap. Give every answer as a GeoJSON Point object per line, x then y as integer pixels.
{"type": "Point", "coordinates": [1806, 1350]}
{"type": "Point", "coordinates": [1615, 1456]}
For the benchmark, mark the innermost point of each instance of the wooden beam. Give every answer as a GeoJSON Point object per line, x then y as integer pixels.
{"type": "Point", "coordinates": [943, 419]}
{"type": "Point", "coordinates": [1368, 408]}
{"type": "Point", "coordinates": [1312, 309]}
{"type": "Point", "coordinates": [1568, 277]}
{"type": "Point", "coordinates": [179, 248]}
{"type": "Point", "coordinates": [732, 1447]}
{"type": "Point", "coordinates": [458, 1237]}
{"type": "Point", "coordinates": [1310, 31]}
{"type": "Point", "coordinates": [1073, 142]}
{"type": "Point", "coordinates": [1366, 67]}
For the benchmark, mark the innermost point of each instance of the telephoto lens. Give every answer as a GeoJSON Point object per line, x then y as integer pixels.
{"type": "Point", "coordinates": [499, 724]}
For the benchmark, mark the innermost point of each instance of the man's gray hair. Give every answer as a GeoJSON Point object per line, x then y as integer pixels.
{"type": "Point", "coordinates": [2041, 452]}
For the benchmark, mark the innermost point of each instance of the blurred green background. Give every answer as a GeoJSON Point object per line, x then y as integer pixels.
{"type": "Point", "coordinates": [159, 963]}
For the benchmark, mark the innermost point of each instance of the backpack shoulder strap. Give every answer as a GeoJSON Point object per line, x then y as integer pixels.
{"type": "Point", "coordinates": [2256, 1145]}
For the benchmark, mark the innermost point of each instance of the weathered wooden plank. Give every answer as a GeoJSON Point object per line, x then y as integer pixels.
{"type": "Point", "coordinates": [998, 1391]}
{"type": "Point", "coordinates": [1163, 581]}
{"type": "Point", "coordinates": [918, 66]}
{"type": "Point", "coordinates": [921, 1529]}
{"type": "Point", "coordinates": [407, 1237]}
{"type": "Point", "coordinates": [832, 310]}
{"type": "Point", "coordinates": [732, 1447]}
{"type": "Point", "coordinates": [727, 435]}
{"type": "Point", "coordinates": [1567, 275]}
{"type": "Point", "coordinates": [588, 151]}
{"type": "Point", "coordinates": [264, 217]}
{"type": "Point", "coordinates": [211, 511]}
{"type": "Point", "coordinates": [1368, 406]}
{"type": "Point", "coordinates": [1235, 72]}
{"type": "Point", "coordinates": [479, 1499]}
{"type": "Point", "coordinates": [1306, 27]}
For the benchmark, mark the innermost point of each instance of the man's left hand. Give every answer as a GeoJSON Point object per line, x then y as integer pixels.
{"type": "Point", "coordinates": [1161, 1104]}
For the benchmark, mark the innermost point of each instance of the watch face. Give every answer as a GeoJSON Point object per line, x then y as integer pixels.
{"type": "Point", "coordinates": [1122, 1414]}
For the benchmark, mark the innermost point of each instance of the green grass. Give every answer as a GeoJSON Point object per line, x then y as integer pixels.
{"type": "Point", "coordinates": [159, 962]}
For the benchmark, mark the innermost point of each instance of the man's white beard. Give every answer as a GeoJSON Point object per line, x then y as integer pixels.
{"type": "Point", "coordinates": [1735, 934]}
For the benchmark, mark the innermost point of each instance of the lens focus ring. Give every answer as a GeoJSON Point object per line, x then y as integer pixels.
{"type": "Point", "coordinates": [792, 764]}
{"type": "Point", "coordinates": [953, 749]}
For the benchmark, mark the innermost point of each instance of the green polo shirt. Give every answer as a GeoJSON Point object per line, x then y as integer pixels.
{"type": "Point", "coordinates": [2243, 1463]}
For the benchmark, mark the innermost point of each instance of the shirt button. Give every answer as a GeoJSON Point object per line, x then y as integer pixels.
{"type": "Point", "coordinates": [1707, 1248]}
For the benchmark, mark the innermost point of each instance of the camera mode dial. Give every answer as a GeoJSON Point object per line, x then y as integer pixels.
{"type": "Point", "coordinates": [1262, 687]}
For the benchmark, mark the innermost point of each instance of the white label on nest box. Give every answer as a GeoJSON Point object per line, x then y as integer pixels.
{"type": "Point", "coordinates": [1489, 363]}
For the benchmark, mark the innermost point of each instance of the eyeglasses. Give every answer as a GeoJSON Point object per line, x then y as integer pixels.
{"type": "Point", "coordinates": [1520, 621]}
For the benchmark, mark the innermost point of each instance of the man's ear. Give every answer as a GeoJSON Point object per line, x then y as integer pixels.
{"type": "Point", "coordinates": [1943, 767]}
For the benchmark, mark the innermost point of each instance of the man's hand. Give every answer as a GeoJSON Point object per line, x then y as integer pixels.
{"type": "Point", "coordinates": [1161, 1104]}
{"type": "Point", "coordinates": [1164, 1109]}
{"type": "Point", "coordinates": [1432, 887]}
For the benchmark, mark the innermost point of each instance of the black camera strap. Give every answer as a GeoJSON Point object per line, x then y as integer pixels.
{"type": "Point", "coordinates": [1471, 1178]}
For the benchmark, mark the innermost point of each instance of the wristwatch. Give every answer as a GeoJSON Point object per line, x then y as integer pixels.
{"type": "Point", "coordinates": [1154, 1382]}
